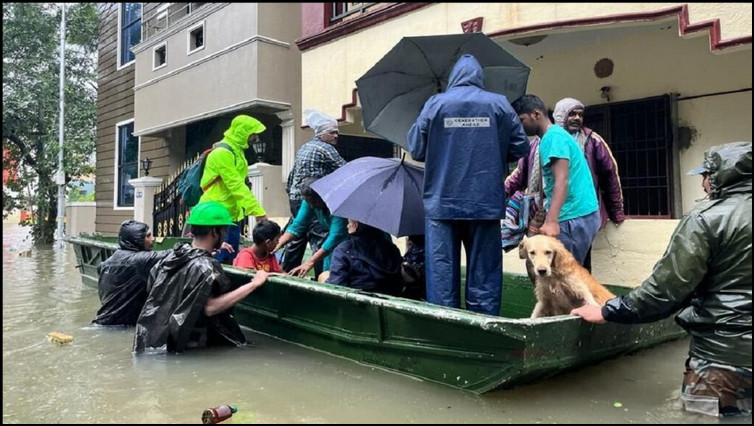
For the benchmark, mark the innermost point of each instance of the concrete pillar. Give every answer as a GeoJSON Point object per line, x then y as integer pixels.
{"type": "Point", "coordinates": [268, 190]}
{"type": "Point", "coordinates": [144, 189]}
{"type": "Point", "coordinates": [289, 143]}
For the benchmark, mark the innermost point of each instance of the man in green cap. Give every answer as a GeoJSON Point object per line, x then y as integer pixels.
{"type": "Point", "coordinates": [224, 178]}
{"type": "Point", "coordinates": [190, 298]}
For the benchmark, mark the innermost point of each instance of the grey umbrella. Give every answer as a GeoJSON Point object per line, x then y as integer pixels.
{"type": "Point", "coordinates": [393, 92]}
{"type": "Point", "coordinates": [385, 193]}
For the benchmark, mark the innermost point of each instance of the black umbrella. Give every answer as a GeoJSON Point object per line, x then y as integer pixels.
{"type": "Point", "coordinates": [394, 90]}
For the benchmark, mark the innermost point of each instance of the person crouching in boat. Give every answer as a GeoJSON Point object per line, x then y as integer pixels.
{"type": "Point", "coordinates": [314, 208]}
{"type": "Point", "coordinates": [368, 260]}
{"type": "Point", "coordinates": [123, 276]}
{"type": "Point", "coordinates": [190, 298]}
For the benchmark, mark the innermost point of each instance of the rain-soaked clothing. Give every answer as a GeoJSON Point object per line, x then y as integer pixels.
{"type": "Point", "coordinates": [232, 167]}
{"type": "Point", "coordinates": [716, 389]}
{"type": "Point", "coordinates": [173, 317]}
{"type": "Point", "coordinates": [466, 136]}
{"type": "Point", "coordinates": [367, 261]}
{"type": "Point", "coordinates": [706, 271]}
{"type": "Point", "coordinates": [123, 277]}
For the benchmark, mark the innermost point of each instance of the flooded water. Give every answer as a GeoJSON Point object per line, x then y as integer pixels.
{"type": "Point", "coordinates": [95, 379]}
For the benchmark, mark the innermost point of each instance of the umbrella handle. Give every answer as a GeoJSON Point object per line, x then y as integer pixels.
{"type": "Point", "coordinates": [403, 158]}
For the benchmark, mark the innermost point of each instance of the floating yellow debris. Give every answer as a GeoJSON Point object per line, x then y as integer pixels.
{"type": "Point", "coordinates": [59, 338]}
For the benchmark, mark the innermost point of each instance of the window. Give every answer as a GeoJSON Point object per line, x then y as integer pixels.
{"type": "Point", "coordinates": [126, 164]}
{"type": "Point", "coordinates": [639, 135]}
{"type": "Point", "coordinates": [129, 32]}
{"type": "Point", "coordinates": [196, 38]}
{"type": "Point", "coordinates": [159, 57]}
{"type": "Point", "coordinates": [194, 6]}
{"type": "Point", "coordinates": [342, 10]}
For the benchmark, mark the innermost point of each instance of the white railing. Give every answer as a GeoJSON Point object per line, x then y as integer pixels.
{"type": "Point", "coordinates": [164, 16]}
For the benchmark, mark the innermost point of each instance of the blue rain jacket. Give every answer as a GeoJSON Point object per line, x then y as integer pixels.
{"type": "Point", "coordinates": [466, 136]}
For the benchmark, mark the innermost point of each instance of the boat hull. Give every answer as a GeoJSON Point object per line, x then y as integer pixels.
{"type": "Point", "coordinates": [454, 347]}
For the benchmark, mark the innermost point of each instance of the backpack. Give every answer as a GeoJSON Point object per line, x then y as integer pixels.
{"type": "Point", "coordinates": [189, 184]}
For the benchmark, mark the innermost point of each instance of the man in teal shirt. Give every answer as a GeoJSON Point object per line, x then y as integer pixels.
{"type": "Point", "coordinates": [571, 203]}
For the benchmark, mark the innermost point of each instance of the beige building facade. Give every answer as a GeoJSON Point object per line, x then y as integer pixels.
{"type": "Point", "coordinates": [662, 81]}
{"type": "Point", "coordinates": [171, 78]}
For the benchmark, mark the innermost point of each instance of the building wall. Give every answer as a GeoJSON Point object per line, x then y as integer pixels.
{"type": "Point", "coordinates": [249, 63]}
{"type": "Point", "coordinates": [650, 59]}
{"type": "Point", "coordinates": [115, 103]}
{"type": "Point", "coordinates": [248, 59]}
{"type": "Point", "coordinates": [197, 88]}
{"type": "Point", "coordinates": [357, 52]}
{"type": "Point", "coordinates": [712, 121]}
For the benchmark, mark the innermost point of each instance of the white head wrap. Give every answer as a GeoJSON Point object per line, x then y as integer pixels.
{"type": "Point", "coordinates": [563, 108]}
{"type": "Point", "coordinates": [320, 122]}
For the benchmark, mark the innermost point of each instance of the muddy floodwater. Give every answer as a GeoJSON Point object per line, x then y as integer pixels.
{"type": "Point", "coordinates": [96, 379]}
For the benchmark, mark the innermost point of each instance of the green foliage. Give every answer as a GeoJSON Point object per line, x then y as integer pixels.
{"type": "Point", "coordinates": [75, 195]}
{"type": "Point", "coordinates": [31, 66]}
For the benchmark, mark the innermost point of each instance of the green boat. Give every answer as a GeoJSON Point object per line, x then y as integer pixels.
{"type": "Point", "coordinates": [454, 347]}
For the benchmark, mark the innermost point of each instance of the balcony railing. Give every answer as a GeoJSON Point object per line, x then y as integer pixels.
{"type": "Point", "coordinates": [164, 16]}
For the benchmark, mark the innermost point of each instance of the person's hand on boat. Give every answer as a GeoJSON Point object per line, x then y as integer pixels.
{"type": "Point", "coordinates": [590, 313]}
{"type": "Point", "coordinates": [301, 270]}
{"type": "Point", "coordinates": [260, 277]}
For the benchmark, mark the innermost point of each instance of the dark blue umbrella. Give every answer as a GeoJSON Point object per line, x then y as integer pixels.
{"type": "Point", "coordinates": [385, 193]}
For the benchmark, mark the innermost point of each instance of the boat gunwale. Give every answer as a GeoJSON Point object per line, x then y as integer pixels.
{"type": "Point", "coordinates": [437, 312]}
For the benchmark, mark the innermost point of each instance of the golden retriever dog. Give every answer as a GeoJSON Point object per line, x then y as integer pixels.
{"type": "Point", "coordinates": [560, 283]}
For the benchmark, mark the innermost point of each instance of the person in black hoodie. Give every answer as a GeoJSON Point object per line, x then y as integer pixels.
{"type": "Point", "coordinates": [190, 298]}
{"type": "Point", "coordinates": [123, 276]}
{"type": "Point", "coordinates": [367, 261]}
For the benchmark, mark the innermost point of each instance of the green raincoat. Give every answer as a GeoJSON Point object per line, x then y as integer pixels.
{"type": "Point", "coordinates": [231, 190]}
{"type": "Point", "coordinates": [706, 269]}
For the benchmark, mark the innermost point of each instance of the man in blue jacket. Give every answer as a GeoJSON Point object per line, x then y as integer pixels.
{"type": "Point", "coordinates": [466, 136]}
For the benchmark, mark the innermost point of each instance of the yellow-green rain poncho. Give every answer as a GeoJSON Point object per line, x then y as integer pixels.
{"type": "Point", "coordinates": [231, 189]}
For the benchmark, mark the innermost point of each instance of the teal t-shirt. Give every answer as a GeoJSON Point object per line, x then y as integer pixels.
{"type": "Point", "coordinates": [581, 198]}
{"type": "Point", "coordinates": [336, 226]}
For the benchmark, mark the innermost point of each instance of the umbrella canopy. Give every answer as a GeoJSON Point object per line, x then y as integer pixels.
{"type": "Point", "coordinates": [385, 193]}
{"type": "Point", "coordinates": [393, 92]}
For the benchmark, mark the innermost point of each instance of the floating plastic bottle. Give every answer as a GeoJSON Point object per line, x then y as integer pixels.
{"type": "Point", "coordinates": [218, 414]}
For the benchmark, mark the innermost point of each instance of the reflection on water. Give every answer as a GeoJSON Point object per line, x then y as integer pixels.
{"type": "Point", "coordinates": [96, 379]}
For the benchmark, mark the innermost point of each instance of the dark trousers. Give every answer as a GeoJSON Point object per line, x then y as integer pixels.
{"type": "Point", "coordinates": [578, 234]}
{"type": "Point", "coordinates": [232, 237]}
{"type": "Point", "coordinates": [484, 260]}
{"type": "Point", "coordinates": [588, 260]}
{"type": "Point", "coordinates": [294, 251]}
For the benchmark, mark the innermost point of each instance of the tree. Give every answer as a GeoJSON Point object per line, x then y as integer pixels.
{"type": "Point", "coordinates": [31, 66]}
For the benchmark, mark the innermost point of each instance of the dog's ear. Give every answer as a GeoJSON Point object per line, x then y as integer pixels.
{"type": "Point", "coordinates": [559, 257]}
{"type": "Point", "coordinates": [522, 249]}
